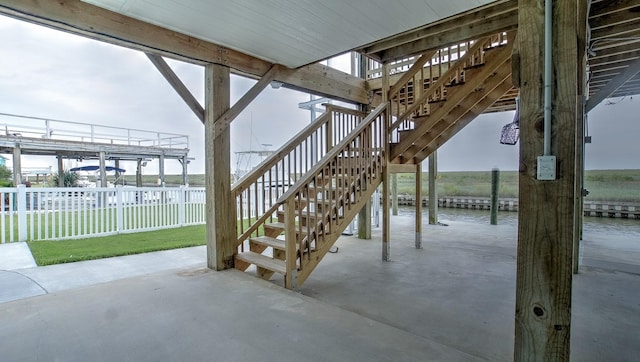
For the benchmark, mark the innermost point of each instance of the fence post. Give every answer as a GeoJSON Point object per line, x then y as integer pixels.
{"type": "Point", "coordinates": [22, 212]}
{"type": "Point", "coordinates": [181, 204]}
{"type": "Point", "coordinates": [119, 209]}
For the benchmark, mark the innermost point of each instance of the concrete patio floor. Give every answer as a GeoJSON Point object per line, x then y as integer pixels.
{"type": "Point", "coordinates": [453, 300]}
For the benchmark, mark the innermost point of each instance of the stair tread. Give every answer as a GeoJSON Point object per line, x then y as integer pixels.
{"type": "Point", "coordinates": [269, 241]}
{"type": "Point", "coordinates": [262, 261]}
{"type": "Point", "coordinates": [279, 225]}
{"type": "Point", "coordinates": [275, 225]}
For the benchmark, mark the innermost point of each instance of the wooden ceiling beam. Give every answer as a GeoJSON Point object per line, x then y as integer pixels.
{"type": "Point", "coordinates": [463, 32]}
{"type": "Point", "coordinates": [177, 85]}
{"type": "Point", "coordinates": [604, 48]}
{"type": "Point", "coordinates": [482, 21]}
{"type": "Point", "coordinates": [612, 19]}
{"type": "Point", "coordinates": [77, 17]}
{"type": "Point", "coordinates": [473, 16]}
{"type": "Point", "coordinates": [629, 29]}
{"type": "Point", "coordinates": [614, 62]}
{"type": "Point", "coordinates": [605, 7]}
{"type": "Point", "coordinates": [613, 85]}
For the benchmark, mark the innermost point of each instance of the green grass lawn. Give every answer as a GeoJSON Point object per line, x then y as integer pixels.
{"type": "Point", "coordinates": [47, 252]}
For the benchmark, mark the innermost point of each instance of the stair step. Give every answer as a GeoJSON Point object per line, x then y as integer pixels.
{"type": "Point", "coordinates": [279, 226]}
{"type": "Point", "coordinates": [457, 84]}
{"type": "Point", "coordinates": [276, 226]}
{"type": "Point", "coordinates": [269, 241]}
{"type": "Point", "coordinates": [262, 261]}
{"type": "Point", "coordinates": [475, 66]}
{"type": "Point", "coordinates": [302, 217]}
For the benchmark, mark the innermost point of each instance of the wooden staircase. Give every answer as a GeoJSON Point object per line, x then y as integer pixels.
{"type": "Point", "coordinates": [293, 207]}
{"type": "Point", "coordinates": [292, 214]}
{"type": "Point", "coordinates": [468, 87]}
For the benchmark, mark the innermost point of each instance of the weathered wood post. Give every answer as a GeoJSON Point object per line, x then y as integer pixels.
{"type": "Point", "coordinates": [139, 173]}
{"type": "Point", "coordinates": [546, 217]}
{"type": "Point", "coordinates": [386, 175]}
{"type": "Point", "coordinates": [495, 183]}
{"type": "Point", "coordinates": [394, 193]}
{"type": "Point", "coordinates": [17, 166]}
{"type": "Point", "coordinates": [221, 208]}
{"type": "Point", "coordinates": [103, 169]}
{"type": "Point", "coordinates": [433, 193]}
{"type": "Point", "coordinates": [60, 171]}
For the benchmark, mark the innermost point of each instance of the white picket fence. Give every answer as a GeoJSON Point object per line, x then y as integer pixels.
{"type": "Point", "coordinates": [66, 213]}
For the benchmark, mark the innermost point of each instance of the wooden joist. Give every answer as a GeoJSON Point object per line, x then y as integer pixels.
{"type": "Point", "coordinates": [489, 19]}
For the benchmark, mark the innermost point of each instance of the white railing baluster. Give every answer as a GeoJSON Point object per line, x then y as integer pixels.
{"type": "Point", "coordinates": [119, 209]}
{"type": "Point", "coordinates": [22, 212]}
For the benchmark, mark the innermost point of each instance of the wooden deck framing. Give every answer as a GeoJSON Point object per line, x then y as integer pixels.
{"type": "Point", "coordinates": [417, 112]}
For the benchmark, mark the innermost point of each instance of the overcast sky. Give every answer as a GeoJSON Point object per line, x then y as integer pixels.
{"type": "Point", "coordinates": [51, 74]}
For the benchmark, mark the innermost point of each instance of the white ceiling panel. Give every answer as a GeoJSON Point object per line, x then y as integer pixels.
{"type": "Point", "coordinates": [289, 32]}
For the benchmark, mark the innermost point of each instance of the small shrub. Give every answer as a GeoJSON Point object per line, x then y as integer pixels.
{"type": "Point", "coordinates": [70, 179]}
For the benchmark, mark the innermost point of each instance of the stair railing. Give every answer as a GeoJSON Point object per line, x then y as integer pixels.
{"type": "Point", "coordinates": [257, 191]}
{"type": "Point", "coordinates": [445, 69]}
{"type": "Point", "coordinates": [323, 200]}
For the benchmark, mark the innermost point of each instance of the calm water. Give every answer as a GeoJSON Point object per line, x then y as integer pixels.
{"type": "Point", "coordinates": [628, 228]}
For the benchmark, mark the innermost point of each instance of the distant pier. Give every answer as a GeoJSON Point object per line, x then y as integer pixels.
{"type": "Point", "coordinates": [618, 209]}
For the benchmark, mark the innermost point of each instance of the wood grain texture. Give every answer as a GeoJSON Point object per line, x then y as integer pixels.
{"type": "Point", "coordinates": [546, 221]}
{"type": "Point", "coordinates": [177, 85]}
{"type": "Point", "coordinates": [433, 193]}
{"type": "Point", "coordinates": [220, 209]}
{"type": "Point", "coordinates": [386, 175]}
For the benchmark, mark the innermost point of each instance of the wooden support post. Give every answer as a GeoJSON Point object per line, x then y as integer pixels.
{"type": "Point", "coordinates": [385, 170]}
{"type": "Point", "coordinates": [419, 205]}
{"type": "Point", "coordinates": [583, 15]}
{"type": "Point", "coordinates": [291, 246]}
{"type": "Point", "coordinates": [185, 173]}
{"type": "Point", "coordinates": [220, 209]}
{"type": "Point", "coordinates": [495, 186]}
{"type": "Point", "coordinates": [117, 165]}
{"type": "Point", "coordinates": [433, 192]}
{"type": "Point", "coordinates": [546, 220]}
{"type": "Point", "coordinates": [17, 166]}
{"type": "Point", "coordinates": [103, 171]}
{"type": "Point", "coordinates": [60, 171]}
{"type": "Point", "coordinates": [161, 170]}
{"type": "Point", "coordinates": [139, 173]}
{"type": "Point", "coordinates": [394, 193]}
{"type": "Point", "coordinates": [364, 221]}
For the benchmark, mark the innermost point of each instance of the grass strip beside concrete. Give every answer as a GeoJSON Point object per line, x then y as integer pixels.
{"type": "Point", "coordinates": [47, 252]}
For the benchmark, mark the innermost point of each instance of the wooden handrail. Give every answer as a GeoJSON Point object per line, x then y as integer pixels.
{"type": "Point", "coordinates": [256, 225]}
{"type": "Point", "coordinates": [334, 152]}
{"type": "Point", "coordinates": [265, 165]}
{"type": "Point", "coordinates": [440, 82]}
{"type": "Point", "coordinates": [415, 68]}
{"type": "Point", "coordinates": [332, 107]}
